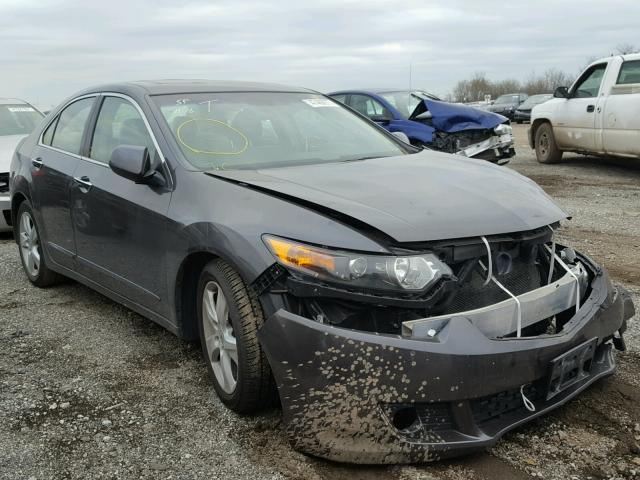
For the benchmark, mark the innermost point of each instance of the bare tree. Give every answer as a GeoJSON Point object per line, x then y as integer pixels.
{"type": "Point", "coordinates": [626, 48]}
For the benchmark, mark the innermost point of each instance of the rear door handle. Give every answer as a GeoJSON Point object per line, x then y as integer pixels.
{"type": "Point", "coordinates": [590, 108]}
{"type": "Point", "coordinates": [84, 182]}
{"type": "Point", "coordinates": [37, 162]}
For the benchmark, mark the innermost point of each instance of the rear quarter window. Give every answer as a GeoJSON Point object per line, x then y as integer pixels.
{"type": "Point", "coordinates": [629, 73]}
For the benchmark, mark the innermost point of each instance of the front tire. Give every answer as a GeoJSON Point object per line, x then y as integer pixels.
{"type": "Point", "coordinates": [547, 150]}
{"type": "Point", "coordinates": [229, 316]}
{"type": "Point", "coordinates": [34, 263]}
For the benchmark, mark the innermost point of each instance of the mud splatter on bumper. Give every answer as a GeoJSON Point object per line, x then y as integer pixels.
{"type": "Point", "coordinates": [342, 389]}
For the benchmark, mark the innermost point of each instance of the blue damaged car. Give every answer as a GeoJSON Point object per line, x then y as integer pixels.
{"type": "Point", "coordinates": [429, 122]}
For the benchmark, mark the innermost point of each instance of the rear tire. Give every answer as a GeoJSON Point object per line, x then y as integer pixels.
{"type": "Point", "coordinates": [547, 150]}
{"type": "Point", "coordinates": [32, 257]}
{"type": "Point", "coordinates": [229, 316]}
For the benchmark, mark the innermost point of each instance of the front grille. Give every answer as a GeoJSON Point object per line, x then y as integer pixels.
{"type": "Point", "coordinates": [523, 277]}
{"type": "Point", "coordinates": [4, 182]}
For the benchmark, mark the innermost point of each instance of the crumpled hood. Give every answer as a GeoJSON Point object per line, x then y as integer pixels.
{"type": "Point", "coordinates": [8, 144]}
{"type": "Point", "coordinates": [454, 117]}
{"type": "Point", "coordinates": [412, 198]}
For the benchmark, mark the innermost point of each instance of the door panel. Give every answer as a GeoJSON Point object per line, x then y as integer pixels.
{"type": "Point", "coordinates": [52, 171]}
{"type": "Point", "coordinates": [621, 118]}
{"type": "Point", "coordinates": [120, 231]}
{"type": "Point", "coordinates": [51, 187]}
{"type": "Point", "coordinates": [120, 225]}
{"type": "Point", "coordinates": [575, 118]}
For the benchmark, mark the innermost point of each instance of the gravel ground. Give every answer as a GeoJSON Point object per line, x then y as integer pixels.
{"type": "Point", "coordinates": [91, 390]}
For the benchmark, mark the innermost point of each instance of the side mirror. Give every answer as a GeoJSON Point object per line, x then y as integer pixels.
{"type": "Point", "coordinates": [380, 118]}
{"type": "Point", "coordinates": [561, 92]}
{"type": "Point", "coordinates": [132, 162]}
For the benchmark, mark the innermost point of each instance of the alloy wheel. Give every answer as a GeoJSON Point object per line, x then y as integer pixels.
{"type": "Point", "coordinates": [29, 244]}
{"type": "Point", "coordinates": [220, 340]}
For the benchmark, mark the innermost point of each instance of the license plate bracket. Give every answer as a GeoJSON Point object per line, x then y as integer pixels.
{"type": "Point", "coordinates": [571, 367]}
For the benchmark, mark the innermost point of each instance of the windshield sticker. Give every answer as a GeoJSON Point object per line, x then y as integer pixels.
{"type": "Point", "coordinates": [21, 109]}
{"type": "Point", "coordinates": [319, 102]}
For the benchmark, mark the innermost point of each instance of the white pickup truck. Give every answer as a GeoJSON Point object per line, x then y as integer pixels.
{"type": "Point", "coordinates": [598, 115]}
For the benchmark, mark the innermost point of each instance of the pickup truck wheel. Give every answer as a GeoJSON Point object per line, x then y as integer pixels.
{"type": "Point", "coordinates": [229, 316]}
{"type": "Point", "coordinates": [546, 149]}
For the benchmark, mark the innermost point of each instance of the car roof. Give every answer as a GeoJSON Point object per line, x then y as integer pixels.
{"type": "Point", "coordinates": [377, 91]}
{"type": "Point", "coordinates": [171, 86]}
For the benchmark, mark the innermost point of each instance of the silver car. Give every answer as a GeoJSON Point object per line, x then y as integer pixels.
{"type": "Point", "coordinates": [17, 120]}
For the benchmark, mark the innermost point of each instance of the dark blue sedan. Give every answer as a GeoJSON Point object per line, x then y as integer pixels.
{"type": "Point", "coordinates": [429, 122]}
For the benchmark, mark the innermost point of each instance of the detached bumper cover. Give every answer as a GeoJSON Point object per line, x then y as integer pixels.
{"type": "Point", "coordinates": [341, 390]}
{"type": "Point", "coordinates": [494, 148]}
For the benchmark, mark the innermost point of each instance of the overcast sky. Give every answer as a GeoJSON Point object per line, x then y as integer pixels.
{"type": "Point", "coordinates": [49, 49]}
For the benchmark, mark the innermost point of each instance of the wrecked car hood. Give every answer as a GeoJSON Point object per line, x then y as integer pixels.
{"type": "Point", "coordinates": [454, 117]}
{"type": "Point", "coordinates": [411, 198]}
{"type": "Point", "coordinates": [8, 144]}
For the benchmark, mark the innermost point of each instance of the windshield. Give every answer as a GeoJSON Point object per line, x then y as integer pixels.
{"type": "Point", "coordinates": [407, 101]}
{"type": "Point", "coordinates": [503, 99]}
{"type": "Point", "coordinates": [535, 100]}
{"type": "Point", "coordinates": [19, 119]}
{"type": "Point", "coordinates": [250, 130]}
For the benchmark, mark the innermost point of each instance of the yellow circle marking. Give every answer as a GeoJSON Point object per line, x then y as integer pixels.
{"type": "Point", "coordinates": [206, 152]}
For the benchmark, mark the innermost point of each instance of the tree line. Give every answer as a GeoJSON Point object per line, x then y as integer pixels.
{"type": "Point", "coordinates": [478, 86]}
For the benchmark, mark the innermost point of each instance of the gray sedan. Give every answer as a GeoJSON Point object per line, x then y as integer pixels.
{"type": "Point", "coordinates": [402, 305]}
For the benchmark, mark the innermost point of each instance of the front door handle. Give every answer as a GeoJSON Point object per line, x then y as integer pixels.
{"type": "Point", "coordinates": [590, 108]}
{"type": "Point", "coordinates": [84, 183]}
{"type": "Point", "coordinates": [37, 162]}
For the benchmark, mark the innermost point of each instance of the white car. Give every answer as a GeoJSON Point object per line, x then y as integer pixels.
{"type": "Point", "coordinates": [598, 115]}
{"type": "Point", "coordinates": [17, 120]}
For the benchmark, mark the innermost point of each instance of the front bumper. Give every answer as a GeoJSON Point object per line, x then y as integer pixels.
{"type": "Point", "coordinates": [341, 390]}
{"type": "Point", "coordinates": [497, 148]}
{"type": "Point", "coordinates": [5, 213]}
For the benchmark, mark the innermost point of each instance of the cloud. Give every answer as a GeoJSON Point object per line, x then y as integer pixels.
{"type": "Point", "coordinates": [50, 49]}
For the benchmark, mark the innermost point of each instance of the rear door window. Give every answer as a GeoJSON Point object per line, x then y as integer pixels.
{"type": "Point", "coordinates": [629, 73]}
{"type": "Point", "coordinates": [71, 124]}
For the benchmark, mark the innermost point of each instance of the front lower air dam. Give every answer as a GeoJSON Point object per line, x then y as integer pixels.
{"type": "Point", "coordinates": [363, 397]}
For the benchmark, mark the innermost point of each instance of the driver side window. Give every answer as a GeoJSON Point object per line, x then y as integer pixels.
{"type": "Point", "coordinates": [119, 123]}
{"type": "Point", "coordinates": [367, 106]}
{"type": "Point", "coordinates": [589, 85]}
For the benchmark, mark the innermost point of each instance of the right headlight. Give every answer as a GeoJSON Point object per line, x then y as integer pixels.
{"type": "Point", "coordinates": [379, 272]}
{"type": "Point", "coordinates": [503, 129]}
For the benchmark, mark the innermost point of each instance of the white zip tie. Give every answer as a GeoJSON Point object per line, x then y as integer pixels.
{"type": "Point", "coordinates": [505, 289]}
{"type": "Point", "coordinates": [564, 265]}
{"type": "Point", "coordinates": [528, 404]}
{"type": "Point", "coordinates": [552, 259]}
{"type": "Point", "coordinates": [490, 274]}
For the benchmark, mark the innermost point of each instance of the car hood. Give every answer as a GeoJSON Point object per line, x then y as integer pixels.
{"type": "Point", "coordinates": [454, 117]}
{"type": "Point", "coordinates": [412, 198]}
{"type": "Point", "coordinates": [8, 144]}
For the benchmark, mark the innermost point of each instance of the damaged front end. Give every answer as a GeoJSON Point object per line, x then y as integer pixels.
{"type": "Point", "coordinates": [478, 336]}
{"type": "Point", "coordinates": [466, 131]}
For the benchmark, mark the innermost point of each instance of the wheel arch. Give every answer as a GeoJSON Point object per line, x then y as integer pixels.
{"type": "Point", "coordinates": [186, 292]}
{"type": "Point", "coordinates": [535, 124]}
{"type": "Point", "coordinates": [16, 200]}
{"type": "Point", "coordinates": [186, 289]}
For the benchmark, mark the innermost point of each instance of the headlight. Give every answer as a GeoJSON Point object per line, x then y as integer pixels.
{"type": "Point", "coordinates": [411, 273]}
{"type": "Point", "coordinates": [503, 129]}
